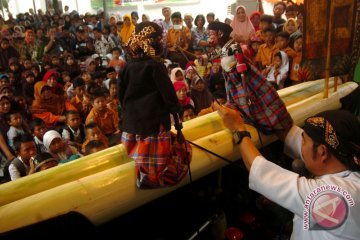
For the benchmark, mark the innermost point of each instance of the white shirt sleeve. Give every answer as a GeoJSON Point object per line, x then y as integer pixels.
{"type": "Point", "coordinates": [293, 143]}
{"type": "Point", "coordinates": [279, 185]}
{"type": "Point", "coordinates": [14, 172]}
{"type": "Point", "coordinates": [65, 135]}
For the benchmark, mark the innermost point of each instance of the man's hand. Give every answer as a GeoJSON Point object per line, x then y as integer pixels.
{"type": "Point", "coordinates": [231, 118]}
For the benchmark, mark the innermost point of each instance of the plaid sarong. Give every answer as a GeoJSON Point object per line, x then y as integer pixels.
{"type": "Point", "coordinates": [259, 103]}
{"type": "Point", "coordinates": [160, 161]}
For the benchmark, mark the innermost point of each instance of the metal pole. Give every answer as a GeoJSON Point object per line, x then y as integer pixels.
{"type": "Point", "coordinates": [77, 5]}
{"type": "Point", "coordinates": [104, 5]}
{"type": "Point", "coordinates": [2, 9]}
{"type": "Point", "coordinates": [34, 7]}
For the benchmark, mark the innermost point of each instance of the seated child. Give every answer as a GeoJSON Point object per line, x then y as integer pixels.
{"type": "Point", "coordinates": [116, 62]}
{"type": "Point", "coordinates": [181, 93]}
{"type": "Point", "coordinates": [110, 75]}
{"type": "Point", "coordinates": [105, 118]}
{"type": "Point", "coordinates": [297, 41]}
{"type": "Point", "coordinates": [43, 161]}
{"type": "Point", "coordinates": [73, 132]}
{"type": "Point", "coordinates": [23, 108]}
{"type": "Point", "coordinates": [77, 100]}
{"type": "Point", "coordinates": [202, 66]}
{"type": "Point", "coordinates": [252, 48]}
{"type": "Point", "coordinates": [86, 76]}
{"type": "Point", "coordinates": [25, 149]}
{"type": "Point", "coordinates": [99, 79]}
{"type": "Point", "coordinates": [14, 119]}
{"type": "Point", "coordinates": [200, 95]}
{"type": "Point", "coordinates": [216, 79]}
{"type": "Point", "coordinates": [28, 87]}
{"type": "Point", "coordinates": [93, 132]}
{"type": "Point", "coordinates": [189, 75]}
{"type": "Point", "coordinates": [4, 79]}
{"type": "Point", "coordinates": [187, 113]}
{"type": "Point", "coordinates": [94, 146]}
{"type": "Point", "coordinates": [60, 150]}
{"type": "Point", "coordinates": [177, 74]}
{"type": "Point", "coordinates": [282, 42]}
{"type": "Point", "coordinates": [66, 80]}
{"type": "Point", "coordinates": [71, 66]}
{"type": "Point", "coordinates": [114, 103]}
{"type": "Point", "coordinates": [278, 70]}
{"type": "Point", "coordinates": [38, 129]}
{"type": "Point", "coordinates": [86, 107]}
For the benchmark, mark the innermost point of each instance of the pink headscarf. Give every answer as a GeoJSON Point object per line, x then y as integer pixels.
{"type": "Point", "coordinates": [245, 29]}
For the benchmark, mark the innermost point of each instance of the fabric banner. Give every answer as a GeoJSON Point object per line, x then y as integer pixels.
{"type": "Point", "coordinates": [316, 28]}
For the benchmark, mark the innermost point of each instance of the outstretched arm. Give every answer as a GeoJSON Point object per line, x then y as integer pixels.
{"type": "Point", "coordinates": [234, 122]}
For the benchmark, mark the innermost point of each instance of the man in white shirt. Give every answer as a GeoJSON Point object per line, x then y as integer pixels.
{"type": "Point", "coordinates": [326, 206]}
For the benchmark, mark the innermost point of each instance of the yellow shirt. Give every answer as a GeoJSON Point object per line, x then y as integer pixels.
{"type": "Point", "coordinates": [295, 66]}
{"type": "Point", "coordinates": [108, 122]}
{"type": "Point", "coordinates": [265, 54]}
{"type": "Point", "coordinates": [177, 37]}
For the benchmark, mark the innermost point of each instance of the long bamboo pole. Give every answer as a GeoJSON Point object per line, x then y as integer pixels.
{"type": "Point", "coordinates": [110, 193]}
{"type": "Point", "coordinates": [328, 54]}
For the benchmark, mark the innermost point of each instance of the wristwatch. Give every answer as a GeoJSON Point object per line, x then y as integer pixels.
{"type": "Point", "coordinates": [239, 135]}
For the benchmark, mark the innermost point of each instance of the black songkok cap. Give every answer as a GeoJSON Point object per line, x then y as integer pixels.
{"type": "Point", "coordinates": [339, 130]}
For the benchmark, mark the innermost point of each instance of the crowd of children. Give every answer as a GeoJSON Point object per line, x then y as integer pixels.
{"type": "Point", "coordinates": [60, 76]}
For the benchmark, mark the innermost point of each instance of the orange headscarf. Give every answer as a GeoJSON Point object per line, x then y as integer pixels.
{"type": "Point", "coordinates": [55, 105]}
{"type": "Point", "coordinates": [126, 31]}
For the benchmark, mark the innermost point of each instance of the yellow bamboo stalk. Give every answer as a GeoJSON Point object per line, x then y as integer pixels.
{"type": "Point", "coordinates": [62, 174]}
{"type": "Point", "coordinates": [107, 194]}
{"type": "Point", "coordinates": [200, 126]}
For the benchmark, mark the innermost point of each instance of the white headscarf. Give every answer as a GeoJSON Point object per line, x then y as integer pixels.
{"type": "Point", "coordinates": [283, 70]}
{"type": "Point", "coordinates": [49, 136]}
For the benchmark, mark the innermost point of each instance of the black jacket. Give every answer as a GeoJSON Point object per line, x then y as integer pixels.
{"type": "Point", "coordinates": [147, 97]}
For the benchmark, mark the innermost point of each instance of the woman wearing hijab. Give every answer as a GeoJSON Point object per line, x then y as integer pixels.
{"type": "Point", "coordinates": [127, 29]}
{"type": "Point", "coordinates": [27, 47]}
{"type": "Point", "coordinates": [48, 106]}
{"type": "Point", "coordinates": [5, 107]}
{"type": "Point", "coordinates": [200, 94]}
{"type": "Point", "coordinates": [243, 29]}
{"type": "Point", "coordinates": [181, 90]}
{"type": "Point", "coordinates": [177, 74]}
{"type": "Point", "coordinates": [58, 148]}
{"type": "Point", "coordinates": [255, 20]}
{"type": "Point", "coordinates": [113, 20]}
{"type": "Point", "coordinates": [6, 52]}
{"type": "Point", "coordinates": [51, 79]}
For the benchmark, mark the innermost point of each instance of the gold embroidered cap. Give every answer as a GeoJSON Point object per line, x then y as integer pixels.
{"type": "Point", "coordinates": [339, 130]}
